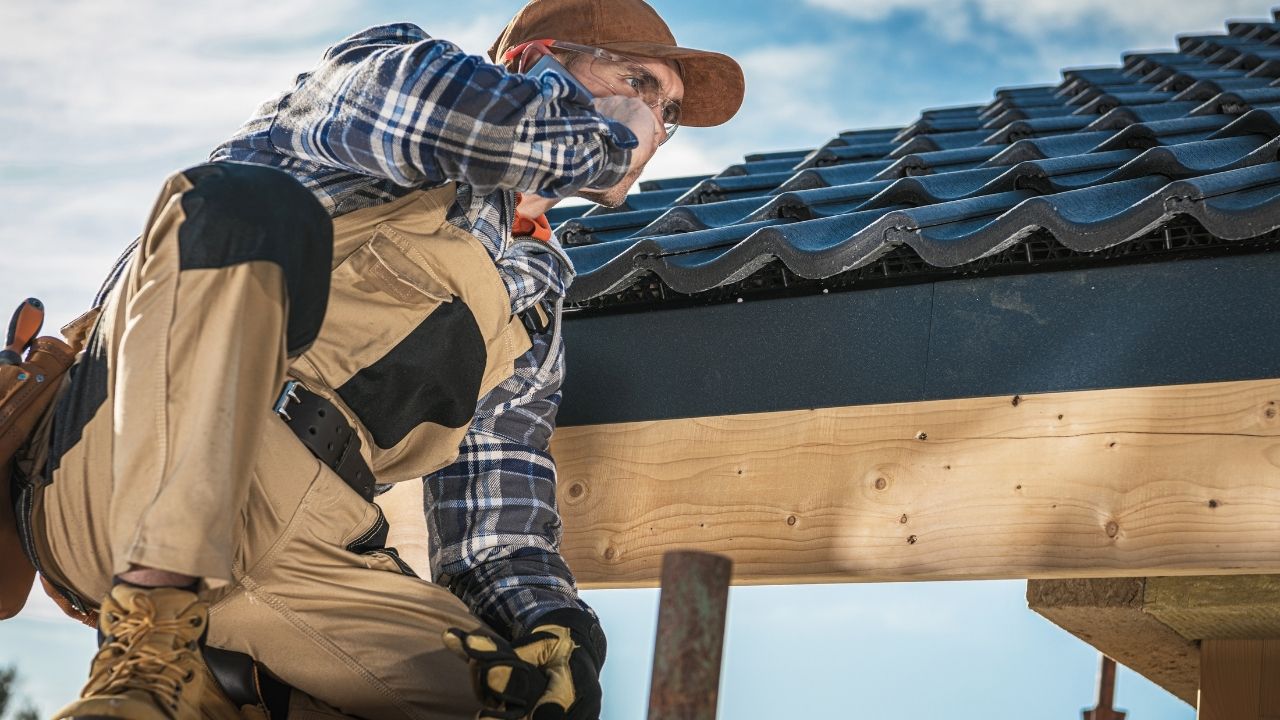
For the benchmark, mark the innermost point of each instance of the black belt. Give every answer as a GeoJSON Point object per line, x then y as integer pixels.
{"type": "Point", "coordinates": [321, 427]}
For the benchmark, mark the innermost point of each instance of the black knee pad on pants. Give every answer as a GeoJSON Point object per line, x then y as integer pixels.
{"type": "Point", "coordinates": [236, 212]}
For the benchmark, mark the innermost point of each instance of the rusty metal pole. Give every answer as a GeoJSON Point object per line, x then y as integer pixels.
{"type": "Point", "coordinates": [1105, 709]}
{"type": "Point", "coordinates": [691, 619]}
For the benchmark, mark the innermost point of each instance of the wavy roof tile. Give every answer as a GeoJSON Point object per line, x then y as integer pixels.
{"type": "Point", "coordinates": [1103, 159]}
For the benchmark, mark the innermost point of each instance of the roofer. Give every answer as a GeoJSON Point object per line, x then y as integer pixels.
{"type": "Point", "coordinates": [348, 256]}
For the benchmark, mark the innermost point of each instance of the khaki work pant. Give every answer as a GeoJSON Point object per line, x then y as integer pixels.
{"type": "Point", "coordinates": [165, 452]}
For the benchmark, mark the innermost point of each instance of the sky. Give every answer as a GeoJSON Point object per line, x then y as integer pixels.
{"type": "Point", "coordinates": [101, 99]}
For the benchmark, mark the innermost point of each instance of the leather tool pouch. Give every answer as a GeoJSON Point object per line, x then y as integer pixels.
{"type": "Point", "coordinates": [26, 392]}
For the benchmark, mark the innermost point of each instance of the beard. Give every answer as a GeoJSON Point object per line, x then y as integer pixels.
{"type": "Point", "coordinates": [615, 195]}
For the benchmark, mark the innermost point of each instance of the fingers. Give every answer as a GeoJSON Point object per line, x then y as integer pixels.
{"type": "Point", "coordinates": [548, 712]}
{"type": "Point", "coordinates": [545, 670]}
{"type": "Point", "coordinates": [559, 697]}
{"type": "Point", "coordinates": [639, 119]}
{"type": "Point", "coordinates": [504, 682]}
{"type": "Point", "coordinates": [589, 698]}
{"type": "Point", "coordinates": [473, 646]}
{"type": "Point", "coordinates": [546, 646]}
{"type": "Point", "coordinates": [453, 641]}
{"type": "Point", "coordinates": [532, 205]}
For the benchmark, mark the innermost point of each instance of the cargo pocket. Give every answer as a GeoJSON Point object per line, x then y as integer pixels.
{"type": "Point", "coordinates": [398, 345]}
{"type": "Point", "coordinates": [432, 376]}
{"type": "Point", "coordinates": [376, 296]}
{"type": "Point", "coordinates": [371, 545]}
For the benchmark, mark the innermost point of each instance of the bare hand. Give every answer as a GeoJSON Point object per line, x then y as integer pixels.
{"type": "Point", "coordinates": [639, 118]}
{"type": "Point", "coordinates": [533, 205]}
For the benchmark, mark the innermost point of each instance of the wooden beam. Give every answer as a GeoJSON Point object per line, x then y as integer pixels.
{"type": "Point", "coordinates": [1220, 608]}
{"type": "Point", "coordinates": [1108, 614]}
{"type": "Point", "coordinates": [1240, 680]}
{"type": "Point", "coordinates": [1155, 625]}
{"type": "Point", "coordinates": [1174, 480]}
{"type": "Point", "coordinates": [402, 506]}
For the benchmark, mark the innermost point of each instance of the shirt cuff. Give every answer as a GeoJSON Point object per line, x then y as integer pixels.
{"type": "Point", "coordinates": [619, 142]}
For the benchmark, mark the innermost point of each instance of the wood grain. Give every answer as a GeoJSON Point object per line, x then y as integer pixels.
{"type": "Point", "coordinates": [402, 505]}
{"type": "Point", "coordinates": [1110, 614]}
{"type": "Point", "coordinates": [1238, 680]}
{"type": "Point", "coordinates": [1173, 480]}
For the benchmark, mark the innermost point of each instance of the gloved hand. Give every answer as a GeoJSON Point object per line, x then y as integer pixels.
{"type": "Point", "coordinates": [550, 673]}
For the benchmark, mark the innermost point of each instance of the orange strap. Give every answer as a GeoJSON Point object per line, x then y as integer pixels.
{"type": "Point", "coordinates": [519, 50]}
{"type": "Point", "coordinates": [538, 228]}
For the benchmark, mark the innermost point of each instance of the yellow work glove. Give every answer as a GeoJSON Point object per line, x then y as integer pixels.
{"type": "Point", "coordinates": [550, 673]}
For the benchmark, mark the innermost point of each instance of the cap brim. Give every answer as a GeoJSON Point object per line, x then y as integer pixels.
{"type": "Point", "coordinates": [713, 83]}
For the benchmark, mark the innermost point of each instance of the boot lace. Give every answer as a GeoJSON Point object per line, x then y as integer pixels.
{"type": "Point", "coordinates": [131, 662]}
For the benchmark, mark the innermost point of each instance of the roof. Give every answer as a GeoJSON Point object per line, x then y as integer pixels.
{"type": "Point", "coordinates": [1086, 168]}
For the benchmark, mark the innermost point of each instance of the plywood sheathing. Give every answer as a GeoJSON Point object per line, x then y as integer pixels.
{"type": "Point", "coordinates": [1108, 614]}
{"type": "Point", "coordinates": [1221, 608]}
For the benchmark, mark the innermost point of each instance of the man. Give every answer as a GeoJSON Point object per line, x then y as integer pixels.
{"type": "Point", "coordinates": [401, 331]}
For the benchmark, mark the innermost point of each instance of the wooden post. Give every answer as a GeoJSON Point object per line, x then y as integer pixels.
{"type": "Point", "coordinates": [1240, 680]}
{"type": "Point", "coordinates": [1105, 709]}
{"type": "Point", "coordinates": [691, 620]}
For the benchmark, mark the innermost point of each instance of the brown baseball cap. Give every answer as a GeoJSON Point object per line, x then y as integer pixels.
{"type": "Point", "coordinates": [713, 83]}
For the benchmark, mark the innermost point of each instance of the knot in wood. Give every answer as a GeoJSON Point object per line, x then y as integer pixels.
{"type": "Point", "coordinates": [1113, 529]}
{"type": "Point", "coordinates": [576, 490]}
{"type": "Point", "coordinates": [791, 520]}
{"type": "Point", "coordinates": [881, 483]}
{"type": "Point", "coordinates": [610, 553]}
{"type": "Point", "coordinates": [911, 539]}
{"type": "Point", "coordinates": [922, 435]}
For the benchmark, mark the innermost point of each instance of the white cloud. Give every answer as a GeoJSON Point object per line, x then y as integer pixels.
{"type": "Point", "coordinates": [40, 608]}
{"type": "Point", "coordinates": [790, 84]}
{"type": "Point", "coordinates": [1152, 22]}
{"type": "Point", "coordinates": [473, 35]}
{"type": "Point", "coordinates": [1025, 41]}
{"type": "Point", "coordinates": [687, 153]}
{"type": "Point", "coordinates": [151, 79]}
{"type": "Point", "coordinates": [103, 100]}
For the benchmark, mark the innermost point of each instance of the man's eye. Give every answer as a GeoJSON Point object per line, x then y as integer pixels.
{"type": "Point", "coordinates": [634, 82]}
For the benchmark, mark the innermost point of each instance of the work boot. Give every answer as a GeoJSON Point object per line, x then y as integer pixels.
{"type": "Point", "coordinates": [149, 665]}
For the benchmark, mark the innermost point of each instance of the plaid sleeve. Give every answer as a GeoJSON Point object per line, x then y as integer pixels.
{"type": "Point", "coordinates": [495, 532]}
{"type": "Point", "coordinates": [493, 525]}
{"type": "Point", "coordinates": [392, 102]}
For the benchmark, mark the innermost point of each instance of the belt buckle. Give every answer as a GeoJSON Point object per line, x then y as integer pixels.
{"type": "Point", "coordinates": [287, 394]}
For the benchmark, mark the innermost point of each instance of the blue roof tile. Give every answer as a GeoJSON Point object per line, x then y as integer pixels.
{"type": "Point", "coordinates": [1097, 161]}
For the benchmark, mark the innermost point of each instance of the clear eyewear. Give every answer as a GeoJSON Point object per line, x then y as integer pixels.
{"type": "Point", "coordinates": [637, 77]}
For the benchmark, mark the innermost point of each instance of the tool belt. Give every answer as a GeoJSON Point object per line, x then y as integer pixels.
{"type": "Point", "coordinates": [27, 389]}
{"type": "Point", "coordinates": [322, 428]}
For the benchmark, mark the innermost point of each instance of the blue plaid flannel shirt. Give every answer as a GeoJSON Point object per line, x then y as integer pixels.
{"type": "Point", "coordinates": [390, 110]}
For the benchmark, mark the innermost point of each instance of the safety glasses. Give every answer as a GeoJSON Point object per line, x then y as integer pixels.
{"type": "Point", "coordinates": [611, 70]}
